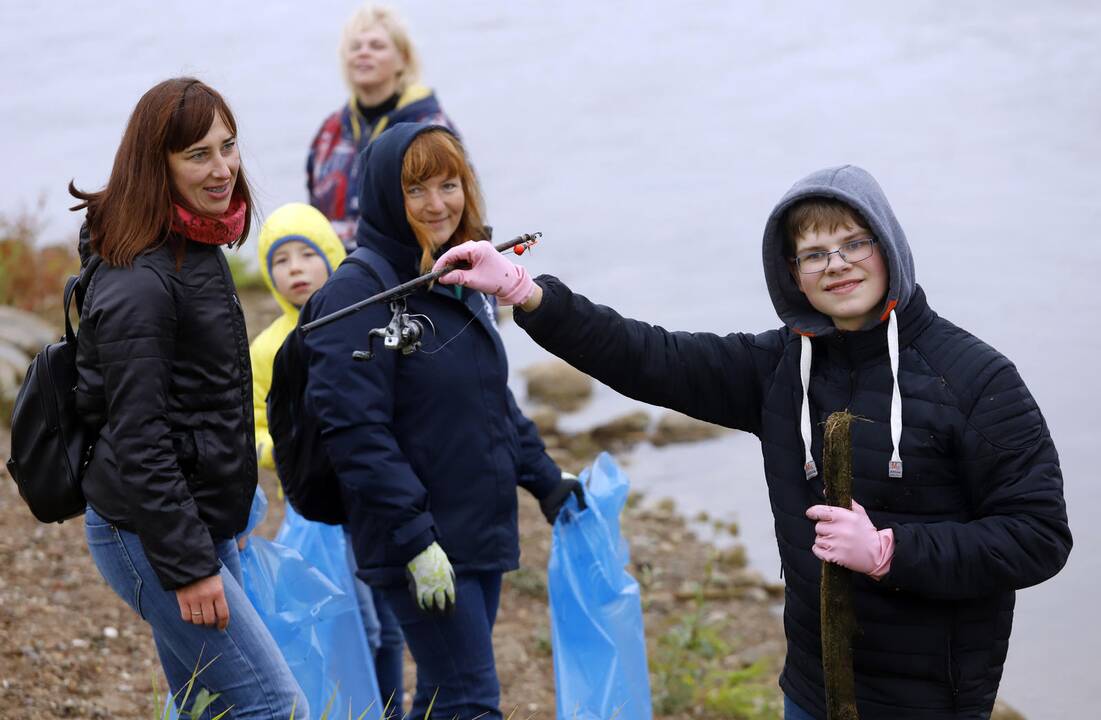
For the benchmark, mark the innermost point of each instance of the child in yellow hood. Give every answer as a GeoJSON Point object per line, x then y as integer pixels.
{"type": "Point", "coordinates": [298, 251]}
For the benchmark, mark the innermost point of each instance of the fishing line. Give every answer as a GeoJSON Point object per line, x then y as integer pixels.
{"type": "Point", "coordinates": [453, 337]}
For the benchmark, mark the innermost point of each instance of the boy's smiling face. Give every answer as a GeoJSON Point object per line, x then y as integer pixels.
{"type": "Point", "coordinates": [297, 270]}
{"type": "Point", "coordinates": [850, 293]}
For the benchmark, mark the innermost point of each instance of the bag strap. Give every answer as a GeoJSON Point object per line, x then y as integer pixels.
{"type": "Point", "coordinates": [375, 264]}
{"type": "Point", "coordinates": [75, 287]}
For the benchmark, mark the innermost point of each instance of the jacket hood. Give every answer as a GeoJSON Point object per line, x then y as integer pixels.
{"type": "Point", "coordinates": [857, 188]}
{"type": "Point", "coordinates": [382, 225]}
{"type": "Point", "coordinates": [303, 223]}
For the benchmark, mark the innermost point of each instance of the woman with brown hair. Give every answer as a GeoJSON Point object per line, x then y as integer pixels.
{"type": "Point", "coordinates": [429, 447]}
{"type": "Point", "coordinates": [164, 377]}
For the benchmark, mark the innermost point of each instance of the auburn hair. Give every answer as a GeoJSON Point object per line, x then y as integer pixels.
{"type": "Point", "coordinates": [134, 212]}
{"type": "Point", "coordinates": [438, 152]}
{"type": "Point", "coordinates": [818, 214]}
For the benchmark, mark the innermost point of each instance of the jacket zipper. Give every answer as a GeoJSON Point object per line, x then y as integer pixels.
{"type": "Point", "coordinates": [952, 676]}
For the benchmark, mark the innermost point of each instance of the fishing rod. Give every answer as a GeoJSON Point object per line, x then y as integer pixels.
{"type": "Point", "coordinates": [519, 245]}
{"type": "Point", "coordinates": [404, 330]}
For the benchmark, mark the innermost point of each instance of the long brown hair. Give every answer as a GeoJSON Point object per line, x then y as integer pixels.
{"type": "Point", "coordinates": [134, 212]}
{"type": "Point", "coordinates": [438, 152]}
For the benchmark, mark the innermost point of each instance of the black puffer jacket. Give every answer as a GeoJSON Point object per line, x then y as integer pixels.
{"type": "Point", "coordinates": [977, 514]}
{"type": "Point", "coordinates": [164, 373]}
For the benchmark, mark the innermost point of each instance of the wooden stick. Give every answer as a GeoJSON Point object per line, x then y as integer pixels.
{"type": "Point", "coordinates": [837, 613]}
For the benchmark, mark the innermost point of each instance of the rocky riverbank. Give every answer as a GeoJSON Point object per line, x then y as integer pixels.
{"type": "Point", "coordinates": [70, 648]}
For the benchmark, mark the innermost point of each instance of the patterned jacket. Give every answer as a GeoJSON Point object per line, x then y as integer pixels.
{"type": "Point", "coordinates": [333, 168]}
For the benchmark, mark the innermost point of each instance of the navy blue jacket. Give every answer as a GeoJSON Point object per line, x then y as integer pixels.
{"type": "Point", "coordinates": [977, 514]}
{"type": "Point", "coordinates": [429, 446]}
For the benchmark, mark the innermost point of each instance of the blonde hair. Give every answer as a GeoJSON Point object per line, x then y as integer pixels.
{"type": "Point", "coordinates": [438, 152]}
{"type": "Point", "coordinates": [370, 15]}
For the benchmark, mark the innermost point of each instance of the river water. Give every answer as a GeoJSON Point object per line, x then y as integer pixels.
{"type": "Point", "coordinates": [648, 143]}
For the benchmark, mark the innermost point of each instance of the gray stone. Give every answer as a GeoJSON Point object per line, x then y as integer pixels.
{"type": "Point", "coordinates": [25, 330]}
{"type": "Point", "coordinates": [545, 419]}
{"type": "Point", "coordinates": [559, 385]}
{"type": "Point", "coordinates": [674, 427]}
{"type": "Point", "coordinates": [626, 429]}
{"type": "Point", "coordinates": [1002, 711]}
{"type": "Point", "coordinates": [13, 365]}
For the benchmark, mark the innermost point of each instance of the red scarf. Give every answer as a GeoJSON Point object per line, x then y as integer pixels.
{"type": "Point", "coordinates": [221, 230]}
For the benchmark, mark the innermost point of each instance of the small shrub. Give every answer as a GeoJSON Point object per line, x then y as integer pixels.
{"type": "Point", "coordinates": [32, 278]}
{"type": "Point", "coordinates": [746, 694]}
{"type": "Point", "coordinates": [690, 670]}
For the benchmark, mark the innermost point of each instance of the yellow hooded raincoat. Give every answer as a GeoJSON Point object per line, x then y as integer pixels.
{"type": "Point", "coordinates": [293, 221]}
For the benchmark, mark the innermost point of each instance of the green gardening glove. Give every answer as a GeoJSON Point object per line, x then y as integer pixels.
{"type": "Point", "coordinates": [431, 580]}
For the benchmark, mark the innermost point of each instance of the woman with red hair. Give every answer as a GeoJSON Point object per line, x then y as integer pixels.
{"type": "Point", "coordinates": [429, 447]}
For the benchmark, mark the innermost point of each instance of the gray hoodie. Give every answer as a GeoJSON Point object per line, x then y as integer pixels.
{"type": "Point", "coordinates": [856, 187]}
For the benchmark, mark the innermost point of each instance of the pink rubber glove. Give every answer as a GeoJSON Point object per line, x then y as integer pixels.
{"type": "Point", "coordinates": [490, 272]}
{"type": "Point", "coordinates": [848, 538]}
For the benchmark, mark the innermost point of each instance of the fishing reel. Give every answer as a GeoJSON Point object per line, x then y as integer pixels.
{"type": "Point", "coordinates": [402, 333]}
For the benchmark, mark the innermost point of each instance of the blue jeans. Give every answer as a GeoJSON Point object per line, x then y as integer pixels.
{"type": "Point", "coordinates": [247, 671]}
{"type": "Point", "coordinates": [794, 712]}
{"type": "Point", "coordinates": [383, 635]}
{"type": "Point", "coordinates": [389, 656]}
{"type": "Point", "coordinates": [454, 653]}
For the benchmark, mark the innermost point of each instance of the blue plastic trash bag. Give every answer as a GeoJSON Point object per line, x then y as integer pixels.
{"type": "Point", "coordinates": [597, 636]}
{"type": "Point", "coordinates": [322, 545]}
{"type": "Point", "coordinates": [315, 622]}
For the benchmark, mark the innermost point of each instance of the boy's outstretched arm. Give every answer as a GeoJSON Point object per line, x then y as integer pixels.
{"type": "Point", "coordinates": [707, 376]}
{"type": "Point", "coordinates": [700, 374]}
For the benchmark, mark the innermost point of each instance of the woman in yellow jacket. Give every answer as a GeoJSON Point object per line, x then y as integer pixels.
{"type": "Point", "coordinates": [298, 251]}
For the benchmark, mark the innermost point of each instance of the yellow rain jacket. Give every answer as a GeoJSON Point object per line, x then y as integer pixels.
{"type": "Point", "coordinates": [293, 221]}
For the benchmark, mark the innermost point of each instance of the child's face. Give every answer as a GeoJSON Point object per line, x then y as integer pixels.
{"type": "Point", "coordinates": [297, 270]}
{"type": "Point", "coordinates": [850, 292]}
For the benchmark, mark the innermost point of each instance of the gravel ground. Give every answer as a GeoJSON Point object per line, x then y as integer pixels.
{"type": "Point", "coordinates": [70, 648]}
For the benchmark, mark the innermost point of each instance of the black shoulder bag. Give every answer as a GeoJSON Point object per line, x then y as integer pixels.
{"type": "Point", "coordinates": [49, 444]}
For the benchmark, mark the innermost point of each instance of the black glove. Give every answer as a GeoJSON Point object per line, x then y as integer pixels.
{"type": "Point", "coordinates": [552, 504]}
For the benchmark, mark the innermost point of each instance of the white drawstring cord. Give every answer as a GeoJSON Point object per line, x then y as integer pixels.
{"type": "Point", "coordinates": [804, 423]}
{"type": "Point", "coordinates": [894, 469]}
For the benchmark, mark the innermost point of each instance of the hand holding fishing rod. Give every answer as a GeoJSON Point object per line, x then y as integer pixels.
{"type": "Point", "coordinates": [518, 245]}
{"type": "Point", "coordinates": [478, 266]}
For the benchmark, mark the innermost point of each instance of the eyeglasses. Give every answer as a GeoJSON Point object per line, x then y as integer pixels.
{"type": "Point", "coordinates": [851, 252]}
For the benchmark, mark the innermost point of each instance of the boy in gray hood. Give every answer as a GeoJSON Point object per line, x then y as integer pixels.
{"type": "Point", "coordinates": [958, 481]}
